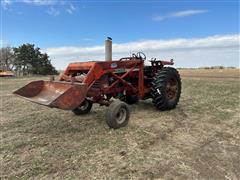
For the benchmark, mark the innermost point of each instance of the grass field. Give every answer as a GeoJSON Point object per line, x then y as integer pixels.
{"type": "Point", "coordinates": [200, 139]}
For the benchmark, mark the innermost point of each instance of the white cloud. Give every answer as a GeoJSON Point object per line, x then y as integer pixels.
{"type": "Point", "coordinates": [5, 3]}
{"type": "Point", "coordinates": [188, 13]}
{"type": "Point", "coordinates": [49, 3]}
{"type": "Point", "coordinates": [71, 9]}
{"type": "Point", "coordinates": [53, 12]}
{"type": "Point", "coordinates": [4, 43]}
{"type": "Point", "coordinates": [40, 2]}
{"type": "Point", "coordinates": [33, 2]}
{"type": "Point", "coordinates": [179, 14]}
{"type": "Point", "coordinates": [208, 51]}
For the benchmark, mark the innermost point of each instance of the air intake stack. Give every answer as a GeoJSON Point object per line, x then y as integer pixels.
{"type": "Point", "coordinates": [108, 49]}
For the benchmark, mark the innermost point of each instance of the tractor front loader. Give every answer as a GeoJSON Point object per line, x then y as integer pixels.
{"type": "Point", "coordinates": [126, 79]}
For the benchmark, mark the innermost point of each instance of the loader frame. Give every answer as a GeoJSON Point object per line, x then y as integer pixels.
{"type": "Point", "coordinates": [119, 72]}
{"type": "Point", "coordinates": [127, 79]}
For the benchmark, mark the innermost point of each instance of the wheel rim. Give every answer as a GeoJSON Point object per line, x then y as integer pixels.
{"type": "Point", "coordinates": [121, 115]}
{"type": "Point", "coordinates": [84, 106]}
{"type": "Point", "coordinates": [172, 89]}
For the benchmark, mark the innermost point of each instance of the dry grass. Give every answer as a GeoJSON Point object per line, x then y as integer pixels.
{"type": "Point", "coordinates": [200, 139]}
{"type": "Point", "coordinates": [211, 73]}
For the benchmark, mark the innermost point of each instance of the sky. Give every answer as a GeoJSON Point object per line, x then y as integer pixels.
{"type": "Point", "coordinates": [193, 33]}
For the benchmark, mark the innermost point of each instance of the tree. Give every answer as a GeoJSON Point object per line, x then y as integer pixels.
{"type": "Point", "coordinates": [6, 59]}
{"type": "Point", "coordinates": [29, 60]}
{"type": "Point", "coordinates": [46, 65]}
{"type": "Point", "coordinates": [25, 55]}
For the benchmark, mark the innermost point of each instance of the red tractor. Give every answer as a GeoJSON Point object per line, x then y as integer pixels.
{"type": "Point", "coordinates": [102, 82]}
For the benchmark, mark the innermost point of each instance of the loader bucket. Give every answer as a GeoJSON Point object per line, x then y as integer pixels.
{"type": "Point", "coordinates": [62, 95]}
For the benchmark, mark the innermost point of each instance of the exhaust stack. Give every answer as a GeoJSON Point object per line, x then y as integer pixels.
{"type": "Point", "coordinates": [108, 49]}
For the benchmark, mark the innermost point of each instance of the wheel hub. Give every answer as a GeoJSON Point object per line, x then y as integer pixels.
{"type": "Point", "coordinates": [121, 115]}
{"type": "Point", "coordinates": [172, 89]}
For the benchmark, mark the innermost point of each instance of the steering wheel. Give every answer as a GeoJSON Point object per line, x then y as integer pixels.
{"type": "Point", "coordinates": [141, 55]}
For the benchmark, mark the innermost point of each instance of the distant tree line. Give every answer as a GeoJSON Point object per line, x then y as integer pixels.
{"type": "Point", "coordinates": [211, 67]}
{"type": "Point", "coordinates": [25, 60]}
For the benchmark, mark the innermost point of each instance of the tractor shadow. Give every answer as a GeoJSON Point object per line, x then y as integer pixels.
{"type": "Point", "coordinates": [143, 105]}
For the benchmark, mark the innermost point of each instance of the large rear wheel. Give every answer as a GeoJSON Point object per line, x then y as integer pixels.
{"type": "Point", "coordinates": [166, 88]}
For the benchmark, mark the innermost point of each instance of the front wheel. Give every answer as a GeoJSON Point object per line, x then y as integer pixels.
{"type": "Point", "coordinates": [117, 114]}
{"type": "Point", "coordinates": [84, 108]}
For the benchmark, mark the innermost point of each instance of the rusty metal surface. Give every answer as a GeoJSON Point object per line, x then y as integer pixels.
{"type": "Point", "coordinates": [62, 95]}
{"type": "Point", "coordinates": [70, 92]}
